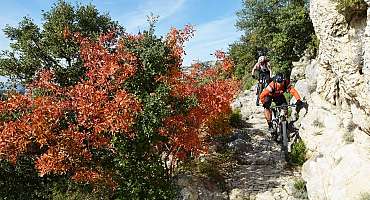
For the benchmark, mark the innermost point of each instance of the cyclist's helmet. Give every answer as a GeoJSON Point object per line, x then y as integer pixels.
{"type": "Point", "coordinates": [262, 59]}
{"type": "Point", "coordinates": [279, 78]}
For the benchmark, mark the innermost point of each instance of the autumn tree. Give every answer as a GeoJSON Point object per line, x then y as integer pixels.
{"type": "Point", "coordinates": [133, 111]}
{"type": "Point", "coordinates": [35, 48]}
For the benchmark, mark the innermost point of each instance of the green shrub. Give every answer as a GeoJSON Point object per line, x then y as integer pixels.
{"type": "Point", "coordinates": [248, 83]}
{"type": "Point", "coordinates": [76, 196]}
{"type": "Point", "coordinates": [236, 118]}
{"type": "Point", "coordinates": [348, 137]}
{"type": "Point", "coordinates": [300, 190]}
{"type": "Point", "coordinates": [211, 169]}
{"type": "Point", "coordinates": [68, 190]}
{"type": "Point", "coordinates": [143, 177]}
{"type": "Point", "coordinates": [298, 153]}
{"type": "Point", "coordinates": [299, 184]}
{"type": "Point", "coordinates": [313, 46]}
{"type": "Point", "coordinates": [365, 196]}
{"type": "Point", "coordinates": [21, 181]}
{"type": "Point", "coordinates": [352, 8]}
{"type": "Point", "coordinates": [280, 30]}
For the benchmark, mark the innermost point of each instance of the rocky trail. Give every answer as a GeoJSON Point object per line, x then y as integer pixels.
{"type": "Point", "coordinates": [257, 169]}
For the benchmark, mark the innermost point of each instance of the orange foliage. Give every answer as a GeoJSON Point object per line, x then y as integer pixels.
{"type": "Point", "coordinates": [99, 104]}
{"type": "Point", "coordinates": [188, 131]}
{"type": "Point", "coordinates": [70, 122]}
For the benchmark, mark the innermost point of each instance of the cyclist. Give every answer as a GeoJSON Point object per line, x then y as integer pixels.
{"type": "Point", "coordinates": [264, 69]}
{"type": "Point", "coordinates": [275, 92]}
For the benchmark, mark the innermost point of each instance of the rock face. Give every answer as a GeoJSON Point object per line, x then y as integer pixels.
{"type": "Point", "coordinates": [336, 85]}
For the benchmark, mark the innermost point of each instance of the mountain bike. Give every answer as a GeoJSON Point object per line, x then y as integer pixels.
{"type": "Point", "coordinates": [280, 127]}
{"type": "Point", "coordinates": [263, 82]}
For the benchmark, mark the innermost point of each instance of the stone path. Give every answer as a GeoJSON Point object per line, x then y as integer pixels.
{"type": "Point", "coordinates": [256, 171]}
{"type": "Point", "coordinates": [261, 172]}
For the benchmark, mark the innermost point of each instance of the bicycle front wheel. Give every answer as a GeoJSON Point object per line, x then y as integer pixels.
{"type": "Point", "coordinates": [284, 142]}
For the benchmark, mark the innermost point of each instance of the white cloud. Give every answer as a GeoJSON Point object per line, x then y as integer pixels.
{"type": "Point", "coordinates": [209, 37]}
{"type": "Point", "coordinates": [137, 19]}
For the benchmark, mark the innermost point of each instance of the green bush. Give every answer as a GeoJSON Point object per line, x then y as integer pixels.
{"type": "Point", "coordinates": [76, 196]}
{"type": "Point", "coordinates": [298, 153]}
{"type": "Point", "coordinates": [300, 190]}
{"type": "Point", "coordinates": [365, 196]}
{"type": "Point", "coordinates": [236, 118]}
{"type": "Point", "coordinates": [352, 8]}
{"type": "Point", "coordinates": [142, 177]}
{"type": "Point", "coordinates": [313, 46]}
{"type": "Point", "coordinates": [67, 190]}
{"type": "Point", "coordinates": [348, 137]}
{"type": "Point", "coordinates": [211, 168]}
{"type": "Point", "coordinates": [141, 173]}
{"type": "Point", "coordinates": [280, 30]}
{"type": "Point", "coordinates": [248, 82]}
{"type": "Point", "coordinates": [21, 181]}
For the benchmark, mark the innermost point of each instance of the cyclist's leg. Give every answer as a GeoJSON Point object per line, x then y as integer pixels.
{"type": "Point", "coordinates": [267, 112]}
{"type": "Point", "coordinates": [258, 94]}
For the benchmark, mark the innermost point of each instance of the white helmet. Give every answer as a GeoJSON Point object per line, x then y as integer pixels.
{"type": "Point", "coordinates": [262, 59]}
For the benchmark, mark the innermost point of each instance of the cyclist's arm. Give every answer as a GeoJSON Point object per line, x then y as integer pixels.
{"type": "Point", "coordinates": [254, 68]}
{"type": "Point", "coordinates": [266, 92]}
{"type": "Point", "coordinates": [294, 92]}
{"type": "Point", "coordinates": [269, 67]}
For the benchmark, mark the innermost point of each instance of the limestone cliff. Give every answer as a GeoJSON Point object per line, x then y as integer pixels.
{"type": "Point", "coordinates": [336, 85]}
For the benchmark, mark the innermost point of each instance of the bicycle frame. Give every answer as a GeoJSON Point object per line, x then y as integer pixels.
{"type": "Point", "coordinates": [276, 110]}
{"type": "Point", "coordinates": [280, 122]}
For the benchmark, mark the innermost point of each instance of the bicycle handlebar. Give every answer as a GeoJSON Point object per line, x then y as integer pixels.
{"type": "Point", "coordinates": [284, 106]}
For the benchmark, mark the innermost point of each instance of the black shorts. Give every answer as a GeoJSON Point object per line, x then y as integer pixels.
{"type": "Point", "coordinates": [264, 75]}
{"type": "Point", "coordinates": [279, 100]}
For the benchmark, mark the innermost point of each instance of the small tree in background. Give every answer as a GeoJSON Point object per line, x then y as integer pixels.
{"type": "Point", "coordinates": [35, 48]}
{"type": "Point", "coordinates": [280, 29]}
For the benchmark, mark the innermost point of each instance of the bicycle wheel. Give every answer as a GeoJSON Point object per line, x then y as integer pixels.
{"type": "Point", "coordinates": [275, 128]}
{"type": "Point", "coordinates": [284, 142]}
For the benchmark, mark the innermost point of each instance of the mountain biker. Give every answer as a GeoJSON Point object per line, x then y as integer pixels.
{"type": "Point", "coordinates": [264, 69]}
{"type": "Point", "coordinates": [275, 92]}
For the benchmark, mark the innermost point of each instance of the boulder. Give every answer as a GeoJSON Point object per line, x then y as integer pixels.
{"type": "Point", "coordinates": [240, 146]}
{"type": "Point", "coordinates": [195, 188]}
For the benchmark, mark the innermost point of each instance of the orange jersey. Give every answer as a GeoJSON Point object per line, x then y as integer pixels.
{"type": "Point", "coordinates": [277, 89]}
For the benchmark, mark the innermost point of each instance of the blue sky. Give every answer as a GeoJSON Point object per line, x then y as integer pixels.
{"type": "Point", "coordinates": [213, 20]}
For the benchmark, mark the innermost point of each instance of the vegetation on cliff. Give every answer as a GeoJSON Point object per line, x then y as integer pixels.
{"type": "Point", "coordinates": [280, 29]}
